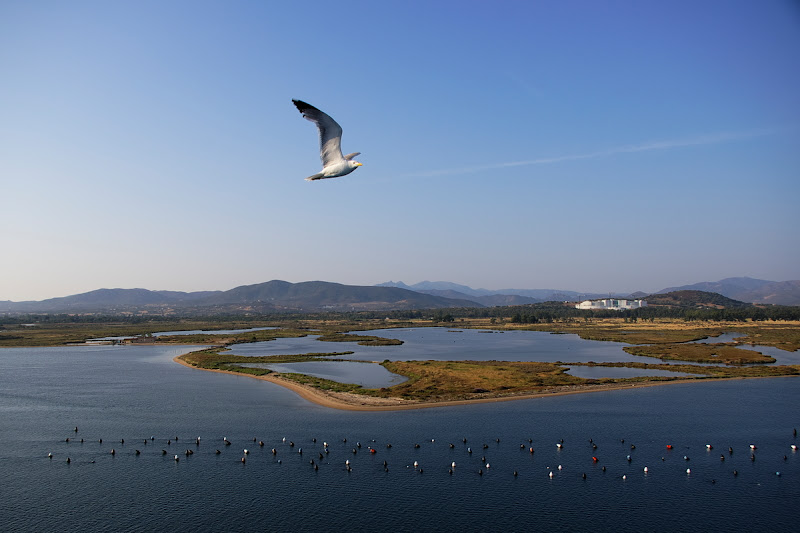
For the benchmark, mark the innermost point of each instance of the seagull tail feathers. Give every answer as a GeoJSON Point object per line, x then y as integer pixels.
{"type": "Point", "coordinates": [315, 177]}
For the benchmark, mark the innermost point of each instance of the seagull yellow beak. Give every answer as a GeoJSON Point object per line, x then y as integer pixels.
{"type": "Point", "coordinates": [359, 164]}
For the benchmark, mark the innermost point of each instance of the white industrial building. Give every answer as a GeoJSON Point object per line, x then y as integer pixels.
{"type": "Point", "coordinates": [611, 304]}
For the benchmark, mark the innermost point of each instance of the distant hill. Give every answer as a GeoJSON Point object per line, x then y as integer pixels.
{"type": "Point", "coordinates": [479, 295]}
{"type": "Point", "coordinates": [490, 300]}
{"type": "Point", "coordinates": [709, 300]}
{"type": "Point", "coordinates": [263, 297]}
{"type": "Point", "coordinates": [743, 289]}
{"type": "Point", "coordinates": [749, 290]}
{"type": "Point", "coordinates": [326, 295]}
{"type": "Point", "coordinates": [777, 293]}
{"type": "Point", "coordinates": [279, 295]}
{"type": "Point", "coordinates": [723, 286]}
{"type": "Point", "coordinates": [103, 299]}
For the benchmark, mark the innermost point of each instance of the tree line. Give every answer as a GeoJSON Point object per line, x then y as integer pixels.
{"type": "Point", "coordinates": [542, 313]}
{"type": "Point", "coordinates": [556, 311]}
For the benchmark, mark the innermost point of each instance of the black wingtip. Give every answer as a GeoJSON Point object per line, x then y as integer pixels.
{"type": "Point", "coordinates": [302, 106]}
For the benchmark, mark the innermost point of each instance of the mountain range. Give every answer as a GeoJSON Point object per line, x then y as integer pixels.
{"type": "Point", "coordinates": [279, 295]}
{"type": "Point", "coordinates": [757, 291]}
{"type": "Point", "coordinates": [744, 289]}
{"type": "Point", "coordinates": [270, 296]}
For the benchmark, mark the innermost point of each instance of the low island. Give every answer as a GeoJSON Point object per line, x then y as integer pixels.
{"type": "Point", "coordinates": [440, 383]}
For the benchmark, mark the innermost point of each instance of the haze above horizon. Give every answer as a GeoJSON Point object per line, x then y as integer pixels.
{"type": "Point", "coordinates": [594, 147]}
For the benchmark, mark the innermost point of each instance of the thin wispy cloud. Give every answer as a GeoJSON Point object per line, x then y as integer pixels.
{"type": "Point", "coordinates": [717, 138]}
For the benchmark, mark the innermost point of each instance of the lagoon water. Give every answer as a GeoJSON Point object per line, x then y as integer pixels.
{"type": "Point", "coordinates": [454, 344]}
{"type": "Point", "coordinates": [445, 344]}
{"type": "Point", "coordinates": [209, 331]}
{"type": "Point", "coordinates": [138, 392]}
{"type": "Point", "coordinates": [368, 375]}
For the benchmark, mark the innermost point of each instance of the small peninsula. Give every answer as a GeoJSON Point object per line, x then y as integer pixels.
{"type": "Point", "coordinates": [455, 382]}
{"type": "Point", "coordinates": [441, 383]}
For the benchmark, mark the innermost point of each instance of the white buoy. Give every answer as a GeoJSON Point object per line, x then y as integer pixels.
{"type": "Point", "coordinates": [551, 474]}
{"type": "Point", "coordinates": [645, 470]}
{"type": "Point", "coordinates": [709, 447]}
{"type": "Point", "coordinates": [347, 463]}
{"type": "Point", "coordinates": [752, 446]}
{"type": "Point", "coordinates": [794, 447]}
{"type": "Point", "coordinates": [487, 466]}
{"type": "Point", "coordinates": [416, 464]}
{"type": "Point", "coordinates": [559, 445]}
{"type": "Point", "coordinates": [624, 476]}
{"type": "Point", "coordinates": [559, 467]}
{"type": "Point", "coordinates": [453, 464]}
{"type": "Point", "coordinates": [688, 470]}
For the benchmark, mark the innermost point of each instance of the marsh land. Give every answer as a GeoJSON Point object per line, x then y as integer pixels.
{"type": "Point", "coordinates": [431, 383]}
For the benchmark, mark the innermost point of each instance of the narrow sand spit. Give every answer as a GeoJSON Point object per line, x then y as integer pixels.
{"type": "Point", "coordinates": [357, 402]}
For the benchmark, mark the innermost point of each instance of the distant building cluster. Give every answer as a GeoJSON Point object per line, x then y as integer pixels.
{"type": "Point", "coordinates": [611, 304]}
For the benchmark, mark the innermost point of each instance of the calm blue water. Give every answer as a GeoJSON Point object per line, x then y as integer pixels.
{"type": "Point", "coordinates": [368, 375]}
{"type": "Point", "coordinates": [210, 331]}
{"type": "Point", "coordinates": [782, 357]}
{"type": "Point", "coordinates": [136, 392]}
{"type": "Point", "coordinates": [450, 345]}
{"type": "Point", "coordinates": [444, 344]}
{"type": "Point", "coordinates": [186, 332]}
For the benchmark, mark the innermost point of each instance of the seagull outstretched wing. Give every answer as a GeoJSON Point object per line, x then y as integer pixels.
{"type": "Point", "coordinates": [330, 133]}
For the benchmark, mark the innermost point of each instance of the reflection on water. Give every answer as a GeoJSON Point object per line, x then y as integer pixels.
{"type": "Point", "coordinates": [782, 357]}
{"type": "Point", "coordinates": [368, 375]}
{"type": "Point", "coordinates": [441, 344]}
{"type": "Point", "coordinates": [291, 346]}
{"type": "Point", "coordinates": [184, 332]}
{"type": "Point", "coordinates": [731, 336]}
{"type": "Point", "coordinates": [210, 331]}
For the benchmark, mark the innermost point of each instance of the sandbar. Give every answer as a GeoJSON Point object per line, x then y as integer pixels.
{"type": "Point", "coordinates": [356, 402]}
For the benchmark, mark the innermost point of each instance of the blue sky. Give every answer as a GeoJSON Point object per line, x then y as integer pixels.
{"type": "Point", "coordinates": [579, 145]}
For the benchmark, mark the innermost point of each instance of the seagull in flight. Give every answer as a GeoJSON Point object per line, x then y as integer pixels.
{"type": "Point", "coordinates": [334, 164]}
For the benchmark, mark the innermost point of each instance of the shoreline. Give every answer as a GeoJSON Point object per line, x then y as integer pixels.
{"type": "Point", "coordinates": [355, 402]}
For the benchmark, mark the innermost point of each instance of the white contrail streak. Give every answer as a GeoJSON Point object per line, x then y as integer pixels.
{"type": "Point", "coordinates": [717, 138]}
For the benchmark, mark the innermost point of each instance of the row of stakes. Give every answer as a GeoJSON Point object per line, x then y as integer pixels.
{"type": "Point", "coordinates": [372, 450]}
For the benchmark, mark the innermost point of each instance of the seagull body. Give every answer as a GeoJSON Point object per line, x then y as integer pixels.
{"type": "Point", "coordinates": [334, 164]}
